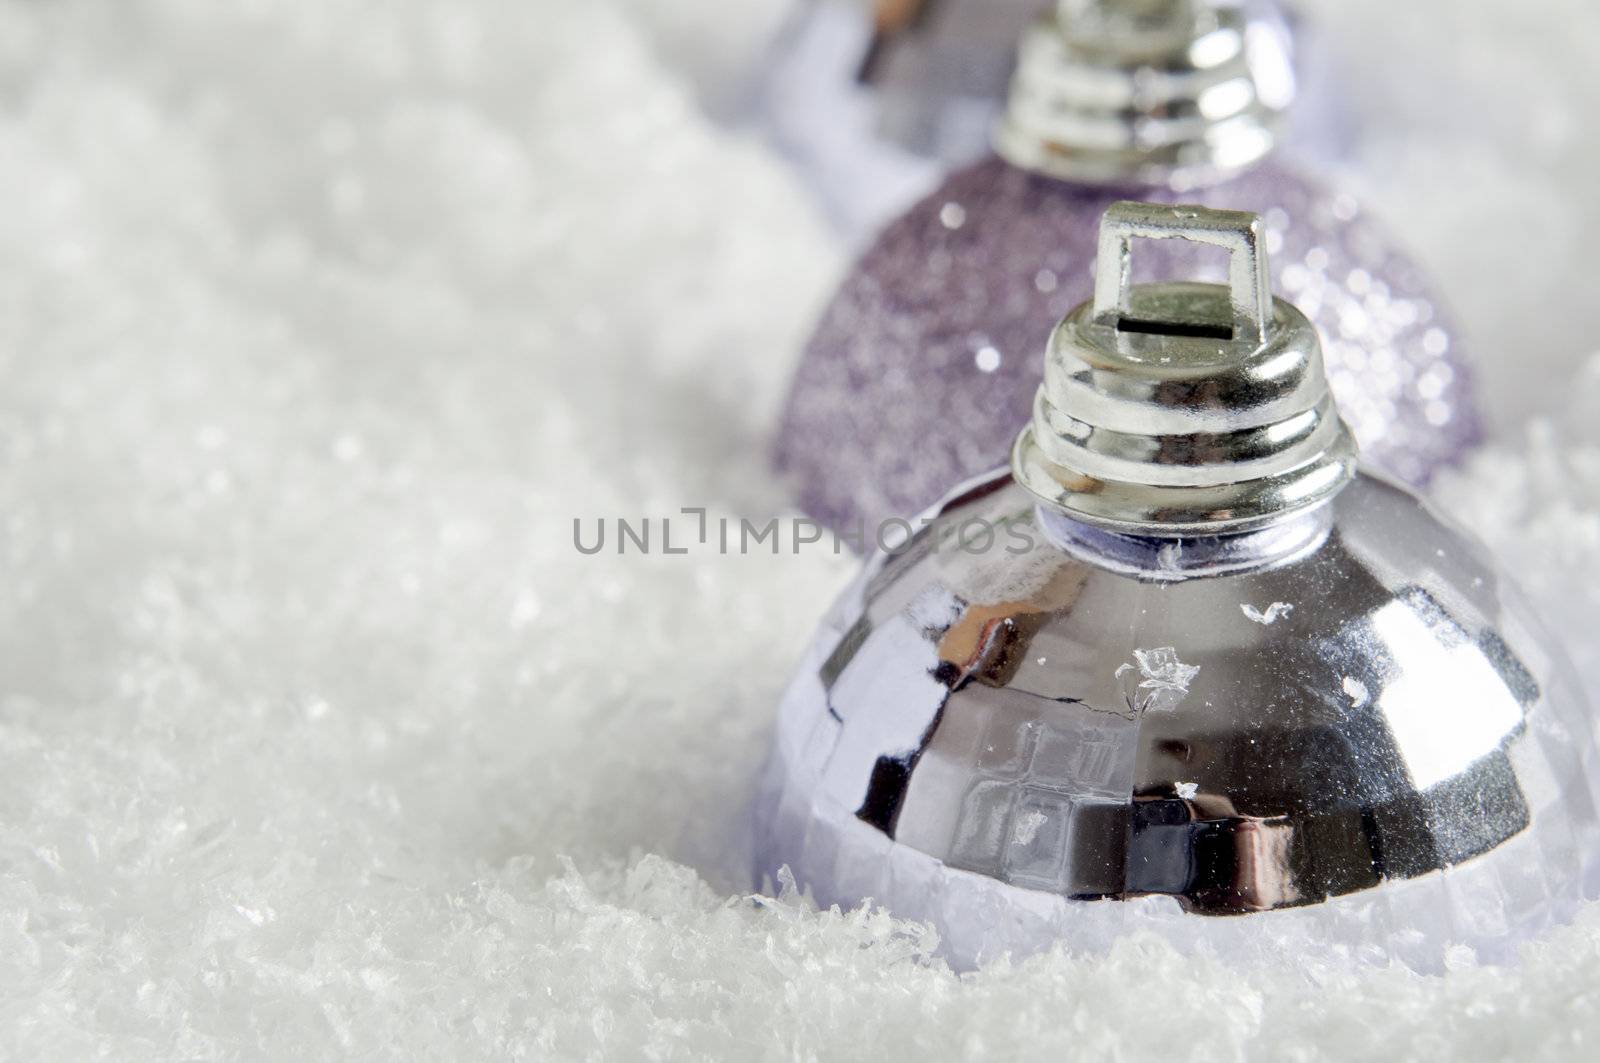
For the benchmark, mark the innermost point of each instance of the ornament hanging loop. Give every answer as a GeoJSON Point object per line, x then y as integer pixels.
{"type": "Point", "coordinates": [1237, 232]}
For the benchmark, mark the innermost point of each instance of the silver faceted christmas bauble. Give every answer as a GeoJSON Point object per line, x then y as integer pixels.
{"type": "Point", "coordinates": [1184, 668]}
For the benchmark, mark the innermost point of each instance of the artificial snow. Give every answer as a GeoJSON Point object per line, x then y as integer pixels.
{"type": "Point", "coordinates": [319, 325]}
{"type": "Point", "coordinates": [1163, 680]}
{"type": "Point", "coordinates": [1268, 616]}
{"type": "Point", "coordinates": [1356, 691]}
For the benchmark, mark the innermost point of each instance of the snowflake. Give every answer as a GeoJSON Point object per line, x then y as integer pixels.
{"type": "Point", "coordinates": [1164, 679]}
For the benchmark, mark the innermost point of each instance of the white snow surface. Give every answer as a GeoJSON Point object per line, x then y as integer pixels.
{"type": "Point", "coordinates": [319, 324]}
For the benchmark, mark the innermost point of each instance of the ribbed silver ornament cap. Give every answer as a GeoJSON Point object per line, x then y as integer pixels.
{"type": "Point", "coordinates": [1181, 409]}
{"type": "Point", "coordinates": [1161, 92]}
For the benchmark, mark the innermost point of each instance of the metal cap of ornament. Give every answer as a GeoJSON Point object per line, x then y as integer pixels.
{"type": "Point", "coordinates": [1154, 92]}
{"type": "Point", "coordinates": [1181, 409]}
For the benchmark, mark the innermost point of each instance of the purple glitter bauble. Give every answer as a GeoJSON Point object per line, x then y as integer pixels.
{"type": "Point", "coordinates": [924, 367]}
